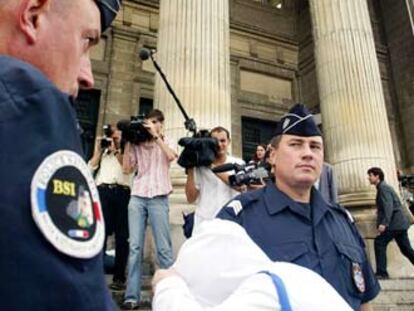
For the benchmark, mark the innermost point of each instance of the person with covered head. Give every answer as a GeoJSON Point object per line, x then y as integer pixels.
{"type": "Point", "coordinates": [221, 269]}
{"type": "Point", "coordinates": [290, 221]}
{"type": "Point", "coordinates": [51, 219]}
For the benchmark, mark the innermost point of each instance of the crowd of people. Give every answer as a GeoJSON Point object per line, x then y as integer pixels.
{"type": "Point", "coordinates": [293, 216]}
{"type": "Point", "coordinates": [279, 243]}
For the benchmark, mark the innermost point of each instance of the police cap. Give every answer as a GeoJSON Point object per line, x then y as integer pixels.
{"type": "Point", "coordinates": [108, 9]}
{"type": "Point", "coordinates": [298, 121]}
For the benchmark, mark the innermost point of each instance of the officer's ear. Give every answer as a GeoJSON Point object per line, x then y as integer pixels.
{"type": "Point", "coordinates": [31, 16]}
{"type": "Point", "coordinates": [272, 156]}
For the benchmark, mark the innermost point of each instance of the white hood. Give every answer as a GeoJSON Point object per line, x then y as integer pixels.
{"type": "Point", "coordinates": [220, 253]}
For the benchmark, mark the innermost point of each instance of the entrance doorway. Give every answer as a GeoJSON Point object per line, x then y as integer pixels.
{"type": "Point", "coordinates": [255, 132]}
{"type": "Point", "coordinates": [87, 109]}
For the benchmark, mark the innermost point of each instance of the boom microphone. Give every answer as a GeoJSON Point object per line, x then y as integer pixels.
{"type": "Point", "coordinates": [144, 54]}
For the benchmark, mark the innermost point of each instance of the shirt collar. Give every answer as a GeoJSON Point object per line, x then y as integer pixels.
{"type": "Point", "coordinates": [276, 201]}
{"type": "Point", "coordinates": [379, 184]}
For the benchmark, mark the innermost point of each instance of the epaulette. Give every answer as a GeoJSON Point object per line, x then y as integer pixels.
{"type": "Point", "coordinates": [242, 201]}
{"type": "Point", "coordinates": [343, 210]}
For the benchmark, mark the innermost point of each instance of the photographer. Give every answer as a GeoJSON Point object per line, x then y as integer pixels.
{"type": "Point", "coordinates": [149, 201]}
{"type": "Point", "coordinates": [208, 189]}
{"type": "Point", "coordinates": [114, 192]}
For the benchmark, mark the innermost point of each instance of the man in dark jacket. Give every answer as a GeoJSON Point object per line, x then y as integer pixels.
{"type": "Point", "coordinates": [391, 222]}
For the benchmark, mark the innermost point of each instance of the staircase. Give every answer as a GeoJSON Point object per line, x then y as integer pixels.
{"type": "Point", "coordinates": [396, 295]}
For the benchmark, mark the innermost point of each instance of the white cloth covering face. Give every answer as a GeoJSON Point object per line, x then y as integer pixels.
{"type": "Point", "coordinates": [219, 267]}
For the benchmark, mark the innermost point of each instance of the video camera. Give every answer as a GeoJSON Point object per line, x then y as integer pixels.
{"type": "Point", "coordinates": [107, 136]}
{"type": "Point", "coordinates": [199, 150]}
{"type": "Point", "coordinates": [246, 174]}
{"type": "Point", "coordinates": [133, 130]}
{"type": "Point", "coordinates": [407, 184]}
{"type": "Point", "coordinates": [406, 181]}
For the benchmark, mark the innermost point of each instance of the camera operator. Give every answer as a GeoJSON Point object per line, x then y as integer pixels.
{"type": "Point", "coordinates": [209, 190]}
{"type": "Point", "coordinates": [114, 192]}
{"type": "Point", "coordinates": [149, 201]}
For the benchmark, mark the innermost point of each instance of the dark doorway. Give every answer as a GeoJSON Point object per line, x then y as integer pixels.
{"type": "Point", "coordinates": [254, 132]}
{"type": "Point", "coordinates": [87, 109]}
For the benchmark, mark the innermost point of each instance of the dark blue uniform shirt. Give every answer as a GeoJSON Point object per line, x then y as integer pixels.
{"type": "Point", "coordinates": [324, 240]}
{"type": "Point", "coordinates": [36, 120]}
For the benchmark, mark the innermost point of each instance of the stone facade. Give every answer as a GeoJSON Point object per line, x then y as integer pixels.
{"type": "Point", "coordinates": [272, 64]}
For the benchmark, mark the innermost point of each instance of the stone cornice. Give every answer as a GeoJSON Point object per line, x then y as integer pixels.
{"type": "Point", "coordinates": [257, 32]}
{"type": "Point", "coordinates": [155, 4]}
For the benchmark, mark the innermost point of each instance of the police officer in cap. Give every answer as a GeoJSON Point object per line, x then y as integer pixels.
{"type": "Point", "coordinates": [51, 223]}
{"type": "Point", "coordinates": [291, 221]}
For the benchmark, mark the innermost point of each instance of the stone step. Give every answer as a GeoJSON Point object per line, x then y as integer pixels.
{"type": "Point", "coordinates": [392, 308]}
{"type": "Point", "coordinates": [146, 293]}
{"type": "Point", "coordinates": [397, 284]}
{"type": "Point", "coordinates": [396, 295]}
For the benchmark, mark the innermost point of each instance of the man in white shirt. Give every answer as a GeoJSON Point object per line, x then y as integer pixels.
{"type": "Point", "coordinates": [210, 191]}
{"type": "Point", "coordinates": [114, 192]}
{"type": "Point", "coordinates": [221, 269]}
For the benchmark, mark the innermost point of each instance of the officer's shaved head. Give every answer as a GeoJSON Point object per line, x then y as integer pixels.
{"type": "Point", "coordinates": [54, 36]}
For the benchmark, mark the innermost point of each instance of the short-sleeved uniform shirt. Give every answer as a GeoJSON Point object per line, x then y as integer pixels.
{"type": "Point", "coordinates": [320, 236]}
{"type": "Point", "coordinates": [36, 121]}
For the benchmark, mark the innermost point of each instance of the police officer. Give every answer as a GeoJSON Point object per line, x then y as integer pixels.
{"type": "Point", "coordinates": [291, 221]}
{"type": "Point", "coordinates": [51, 227]}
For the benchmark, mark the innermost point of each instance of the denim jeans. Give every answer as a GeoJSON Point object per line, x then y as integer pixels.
{"type": "Point", "coordinates": [140, 211]}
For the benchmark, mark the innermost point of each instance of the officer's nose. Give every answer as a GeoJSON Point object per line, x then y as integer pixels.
{"type": "Point", "coordinates": [307, 151]}
{"type": "Point", "coordinates": [85, 78]}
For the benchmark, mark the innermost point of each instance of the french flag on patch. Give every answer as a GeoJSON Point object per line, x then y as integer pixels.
{"type": "Point", "coordinates": [81, 234]}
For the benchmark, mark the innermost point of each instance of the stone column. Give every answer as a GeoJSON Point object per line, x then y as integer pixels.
{"type": "Point", "coordinates": [356, 130]}
{"type": "Point", "coordinates": [194, 52]}
{"type": "Point", "coordinates": [410, 8]}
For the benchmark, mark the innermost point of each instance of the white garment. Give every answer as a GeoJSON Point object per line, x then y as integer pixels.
{"type": "Point", "coordinates": [219, 266]}
{"type": "Point", "coordinates": [213, 192]}
{"type": "Point", "coordinates": [110, 171]}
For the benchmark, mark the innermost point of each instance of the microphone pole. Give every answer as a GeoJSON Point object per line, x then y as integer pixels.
{"type": "Point", "coordinates": [189, 123]}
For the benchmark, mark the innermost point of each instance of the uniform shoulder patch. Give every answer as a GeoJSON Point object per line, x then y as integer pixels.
{"type": "Point", "coordinates": [350, 217]}
{"type": "Point", "coordinates": [343, 210]}
{"type": "Point", "coordinates": [66, 207]}
{"type": "Point", "coordinates": [236, 206]}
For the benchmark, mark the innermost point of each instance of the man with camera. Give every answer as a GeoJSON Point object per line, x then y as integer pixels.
{"type": "Point", "coordinates": [290, 221]}
{"type": "Point", "coordinates": [114, 192]}
{"type": "Point", "coordinates": [391, 222]}
{"type": "Point", "coordinates": [212, 190]}
{"type": "Point", "coordinates": [149, 200]}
